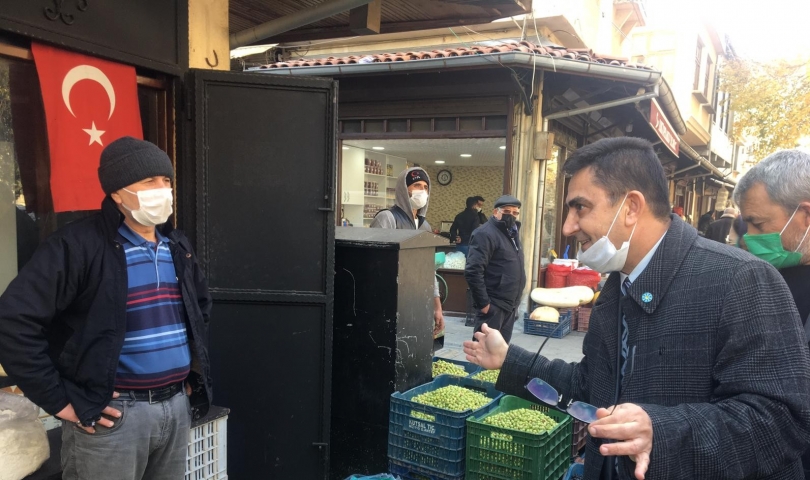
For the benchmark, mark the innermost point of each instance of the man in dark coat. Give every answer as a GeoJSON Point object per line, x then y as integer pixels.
{"type": "Point", "coordinates": [105, 326]}
{"type": "Point", "coordinates": [775, 203]}
{"type": "Point", "coordinates": [465, 222]}
{"type": "Point", "coordinates": [706, 219]}
{"type": "Point", "coordinates": [697, 344]}
{"type": "Point", "coordinates": [720, 228]}
{"type": "Point", "coordinates": [494, 269]}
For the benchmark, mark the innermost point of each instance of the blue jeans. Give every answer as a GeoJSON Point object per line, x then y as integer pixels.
{"type": "Point", "coordinates": [148, 442]}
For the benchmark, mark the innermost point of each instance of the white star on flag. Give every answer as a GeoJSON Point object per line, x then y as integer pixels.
{"type": "Point", "coordinates": [95, 135]}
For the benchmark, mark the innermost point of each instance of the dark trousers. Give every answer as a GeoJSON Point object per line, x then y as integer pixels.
{"type": "Point", "coordinates": [499, 319]}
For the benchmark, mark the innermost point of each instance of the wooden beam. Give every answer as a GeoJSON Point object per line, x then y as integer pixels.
{"type": "Point", "coordinates": [365, 19]}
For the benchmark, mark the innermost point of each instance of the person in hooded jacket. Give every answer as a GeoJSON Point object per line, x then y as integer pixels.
{"type": "Point", "coordinates": [494, 269]}
{"type": "Point", "coordinates": [408, 213]}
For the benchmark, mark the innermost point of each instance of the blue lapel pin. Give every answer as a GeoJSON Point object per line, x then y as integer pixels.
{"type": "Point", "coordinates": [646, 297]}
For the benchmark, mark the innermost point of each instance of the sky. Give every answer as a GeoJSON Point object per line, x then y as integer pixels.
{"type": "Point", "coordinates": [759, 29]}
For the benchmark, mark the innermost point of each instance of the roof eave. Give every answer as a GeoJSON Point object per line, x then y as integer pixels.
{"type": "Point", "coordinates": [512, 59]}
{"type": "Point", "coordinates": [515, 59]}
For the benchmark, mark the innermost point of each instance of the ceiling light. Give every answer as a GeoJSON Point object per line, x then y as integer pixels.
{"type": "Point", "coordinates": [502, 147]}
{"type": "Point", "coordinates": [345, 148]}
{"type": "Point", "coordinates": [466, 155]}
{"type": "Point", "coordinates": [378, 148]}
{"type": "Point", "coordinates": [440, 162]}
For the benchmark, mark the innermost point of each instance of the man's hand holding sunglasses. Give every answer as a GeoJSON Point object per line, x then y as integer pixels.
{"type": "Point", "coordinates": [490, 349]}
{"type": "Point", "coordinates": [631, 427]}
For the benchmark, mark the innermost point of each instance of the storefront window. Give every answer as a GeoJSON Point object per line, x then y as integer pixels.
{"type": "Point", "coordinates": [549, 230]}
{"type": "Point", "coordinates": [24, 193]}
{"type": "Point", "coordinates": [26, 207]}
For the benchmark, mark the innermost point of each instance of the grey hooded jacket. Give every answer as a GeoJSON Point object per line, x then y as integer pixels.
{"type": "Point", "coordinates": [401, 215]}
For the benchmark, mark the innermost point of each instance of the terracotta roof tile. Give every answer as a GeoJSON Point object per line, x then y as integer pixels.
{"type": "Point", "coordinates": [578, 54]}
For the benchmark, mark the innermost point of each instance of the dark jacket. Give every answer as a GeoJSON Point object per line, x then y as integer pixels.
{"type": "Point", "coordinates": [705, 220]}
{"type": "Point", "coordinates": [63, 318]}
{"type": "Point", "coordinates": [721, 364]}
{"type": "Point", "coordinates": [494, 270]}
{"type": "Point", "coordinates": [718, 230]}
{"type": "Point", "coordinates": [464, 224]}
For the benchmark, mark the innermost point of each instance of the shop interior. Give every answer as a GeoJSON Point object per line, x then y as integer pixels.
{"type": "Point", "coordinates": [458, 168]}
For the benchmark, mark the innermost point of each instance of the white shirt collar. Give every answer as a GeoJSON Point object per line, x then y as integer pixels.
{"type": "Point", "coordinates": [642, 264]}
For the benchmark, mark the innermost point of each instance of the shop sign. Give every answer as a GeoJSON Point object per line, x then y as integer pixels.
{"type": "Point", "coordinates": [663, 128]}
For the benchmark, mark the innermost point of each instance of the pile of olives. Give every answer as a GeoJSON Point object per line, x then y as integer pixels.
{"type": "Point", "coordinates": [453, 398]}
{"type": "Point", "coordinates": [440, 367]}
{"type": "Point", "coordinates": [489, 376]}
{"type": "Point", "coordinates": [523, 420]}
{"type": "Point", "coordinates": [422, 416]}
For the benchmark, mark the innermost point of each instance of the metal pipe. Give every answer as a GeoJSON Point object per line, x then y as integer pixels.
{"type": "Point", "coordinates": [540, 195]}
{"type": "Point", "coordinates": [598, 106]}
{"type": "Point", "coordinates": [691, 153]}
{"type": "Point", "coordinates": [683, 170]}
{"type": "Point", "coordinates": [730, 185]}
{"type": "Point", "coordinates": [667, 102]}
{"type": "Point", "coordinates": [693, 177]}
{"type": "Point", "coordinates": [292, 21]}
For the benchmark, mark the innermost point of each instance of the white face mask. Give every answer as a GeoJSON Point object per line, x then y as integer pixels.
{"type": "Point", "coordinates": [419, 199]}
{"type": "Point", "coordinates": [603, 256]}
{"type": "Point", "coordinates": [156, 206]}
{"type": "Point", "coordinates": [478, 209]}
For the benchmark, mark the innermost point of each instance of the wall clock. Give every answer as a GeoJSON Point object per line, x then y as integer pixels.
{"type": "Point", "coordinates": [444, 177]}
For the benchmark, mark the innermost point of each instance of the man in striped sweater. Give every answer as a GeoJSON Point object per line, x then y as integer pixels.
{"type": "Point", "coordinates": [105, 327]}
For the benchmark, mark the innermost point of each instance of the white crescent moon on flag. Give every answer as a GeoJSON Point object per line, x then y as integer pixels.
{"type": "Point", "coordinates": [87, 72]}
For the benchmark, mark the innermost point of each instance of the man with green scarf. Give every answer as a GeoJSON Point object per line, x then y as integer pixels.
{"type": "Point", "coordinates": [774, 198]}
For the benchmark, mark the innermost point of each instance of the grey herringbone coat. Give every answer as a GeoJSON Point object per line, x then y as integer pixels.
{"type": "Point", "coordinates": [721, 364]}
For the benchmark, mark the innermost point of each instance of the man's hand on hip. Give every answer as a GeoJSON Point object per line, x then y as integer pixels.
{"type": "Point", "coordinates": [69, 415]}
{"type": "Point", "coordinates": [485, 310]}
{"type": "Point", "coordinates": [632, 427]}
{"type": "Point", "coordinates": [490, 349]}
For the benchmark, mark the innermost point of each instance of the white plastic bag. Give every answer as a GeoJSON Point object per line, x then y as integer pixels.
{"type": "Point", "coordinates": [23, 441]}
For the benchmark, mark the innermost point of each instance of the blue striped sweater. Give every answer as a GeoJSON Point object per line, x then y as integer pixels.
{"type": "Point", "coordinates": [156, 351]}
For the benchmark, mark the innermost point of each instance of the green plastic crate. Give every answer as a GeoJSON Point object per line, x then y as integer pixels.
{"type": "Point", "coordinates": [495, 453]}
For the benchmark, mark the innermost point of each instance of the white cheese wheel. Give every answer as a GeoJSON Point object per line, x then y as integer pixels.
{"type": "Point", "coordinates": [567, 297]}
{"type": "Point", "coordinates": [545, 314]}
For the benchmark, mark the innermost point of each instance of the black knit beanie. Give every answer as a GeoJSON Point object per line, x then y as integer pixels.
{"type": "Point", "coordinates": [129, 160]}
{"type": "Point", "coordinates": [416, 175]}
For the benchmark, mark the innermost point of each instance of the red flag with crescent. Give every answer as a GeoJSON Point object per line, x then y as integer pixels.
{"type": "Point", "coordinates": [89, 102]}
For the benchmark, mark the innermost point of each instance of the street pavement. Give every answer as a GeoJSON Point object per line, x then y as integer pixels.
{"type": "Point", "coordinates": [568, 348]}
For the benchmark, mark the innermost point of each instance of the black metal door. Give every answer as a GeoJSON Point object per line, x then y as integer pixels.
{"type": "Point", "coordinates": [259, 178]}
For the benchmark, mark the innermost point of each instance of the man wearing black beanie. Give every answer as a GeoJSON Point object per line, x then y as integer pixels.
{"type": "Point", "coordinates": [105, 327]}
{"type": "Point", "coordinates": [408, 213]}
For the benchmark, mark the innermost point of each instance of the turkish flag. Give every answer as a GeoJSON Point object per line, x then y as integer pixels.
{"type": "Point", "coordinates": [89, 102]}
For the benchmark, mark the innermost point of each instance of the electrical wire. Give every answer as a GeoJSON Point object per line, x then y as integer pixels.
{"type": "Point", "coordinates": [498, 61]}
{"type": "Point", "coordinates": [540, 44]}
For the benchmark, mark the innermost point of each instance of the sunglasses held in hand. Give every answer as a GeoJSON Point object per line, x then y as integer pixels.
{"type": "Point", "coordinates": [584, 412]}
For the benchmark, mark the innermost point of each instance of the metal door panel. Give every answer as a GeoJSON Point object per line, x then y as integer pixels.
{"type": "Point", "coordinates": [257, 191]}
